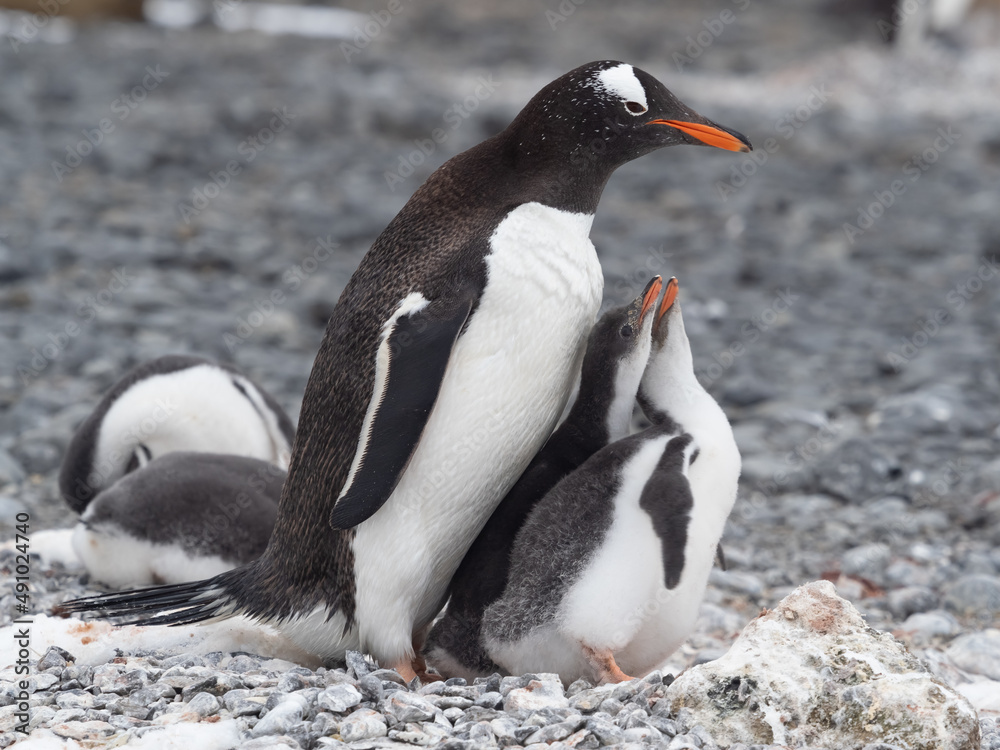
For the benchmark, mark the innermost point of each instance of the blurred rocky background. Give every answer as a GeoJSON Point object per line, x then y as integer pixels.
{"type": "Point", "coordinates": [205, 181]}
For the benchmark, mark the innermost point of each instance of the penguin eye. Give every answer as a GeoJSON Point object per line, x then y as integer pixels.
{"type": "Point", "coordinates": [626, 331]}
{"type": "Point", "coordinates": [635, 108]}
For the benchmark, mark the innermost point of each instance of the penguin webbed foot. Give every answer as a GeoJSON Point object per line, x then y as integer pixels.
{"type": "Point", "coordinates": [606, 669]}
{"type": "Point", "coordinates": [415, 669]}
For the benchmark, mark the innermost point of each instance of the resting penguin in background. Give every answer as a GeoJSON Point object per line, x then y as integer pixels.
{"type": "Point", "coordinates": [608, 572]}
{"type": "Point", "coordinates": [616, 355]}
{"type": "Point", "coordinates": [180, 517]}
{"type": "Point", "coordinates": [444, 368]}
{"type": "Point", "coordinates": [172, 403]}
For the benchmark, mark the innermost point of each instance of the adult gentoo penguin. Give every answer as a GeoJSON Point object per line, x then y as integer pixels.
{"type": "Point", "coordinates": [609, 570]}
{"type": "Point", "coordinates": [616, 354]}
{"type": "Point", "coordinates": [172, 403]}
{"type": "Point", "coordinates": [445, 365]}
{"type": "Point", "coordinates": [180, 517]}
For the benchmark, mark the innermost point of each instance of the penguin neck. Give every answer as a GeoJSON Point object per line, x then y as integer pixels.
{"type": "Point", "coordinates": [601, 415]}
{"type": "Point", "coordinates": [670, 393]}
{"type": "Point", "coordinates": [569, 179]}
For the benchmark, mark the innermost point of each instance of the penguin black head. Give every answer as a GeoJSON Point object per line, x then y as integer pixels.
{"type": "Point", "coordinates": [578, 129]}
{"type": "Point", "coordinates": [617, 352]}
{"type": "Point", "coordinates": [612, 112]}
{"type": "Point", "coordinates": [624, 332]}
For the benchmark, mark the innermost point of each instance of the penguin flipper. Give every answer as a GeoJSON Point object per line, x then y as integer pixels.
{"type": "Point", "coordinates": [668, 499]}
{"type": "Point", "coordinates": [413, 354]}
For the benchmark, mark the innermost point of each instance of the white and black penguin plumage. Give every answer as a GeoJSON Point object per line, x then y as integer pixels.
{"type": "Point", "coordinates": [616, 354]}
{"type": "Point", "coordinates": [444, 368]}
{"type": "Point", "coordinates": [180, 517]}
{"type": "Point", "coordinates": [172, 403]}
{"type": "Point", "coordinates": [608, 573]}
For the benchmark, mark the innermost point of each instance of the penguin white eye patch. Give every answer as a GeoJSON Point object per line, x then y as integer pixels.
{"type": "Point", "coordinates": [621, 81]}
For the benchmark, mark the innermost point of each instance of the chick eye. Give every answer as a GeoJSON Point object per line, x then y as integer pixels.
{"type": "Point", "coordinates": [626, 331]}
{"type": "Point", "coordinates": [635, 107]}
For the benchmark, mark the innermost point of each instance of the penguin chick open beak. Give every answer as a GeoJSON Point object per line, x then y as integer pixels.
{"type": "Point", "coordinates": [710, 134]}
{"type": "Point", "coordinates": [661, 324]}
{"type": "Point", "coordinates": [668, 299]}
{"type": "Point", "coordinates": [649, 295]}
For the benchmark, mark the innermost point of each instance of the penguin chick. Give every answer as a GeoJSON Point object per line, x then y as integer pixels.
{"type": "Point", "coordinates": [172, 403]}
{"type": "Point", "coordinates": [181, 517]}
{"type": "Point", "coordinates": [610, 568]}
{"type": "Point", "coordinates": [616, 354]}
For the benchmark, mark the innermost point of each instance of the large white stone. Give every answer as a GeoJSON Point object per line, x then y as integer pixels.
{"type": "Point", "coordinates": [811, 672]}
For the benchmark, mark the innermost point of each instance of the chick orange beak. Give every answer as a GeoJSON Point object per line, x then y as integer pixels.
{"type": "Point", "coordinates": [649, 296]}
{"type": "Point", "coordinates": [709, 134]}
{"type": "Point", "coordinates": [668, 297]}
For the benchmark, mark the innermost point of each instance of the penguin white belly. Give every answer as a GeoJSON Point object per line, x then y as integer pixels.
{"type": "Point", "coordinates": [197, 409]}
{"type": "Point", "coordinates": [625, 572]}
{"type": "Point", "coordinates": [118, 559]}
{"type": "Point", "coordinates": [505, 386]}
{"type": "Point", "coordinates": [668, 618]}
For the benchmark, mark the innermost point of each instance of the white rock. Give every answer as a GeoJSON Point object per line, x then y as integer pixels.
{"type": "Point", "coordinates": [811, 672]}
{"type": "Point", "coordinates": [538, 694]}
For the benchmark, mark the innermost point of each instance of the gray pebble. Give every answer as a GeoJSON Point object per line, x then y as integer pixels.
{"type": "Point", "coordinates": [363, 724]}
{"type": "Point", "coordinates": [408, 707]}
{"type": "Point", "coordinates": [605, 730]}
{"type": "Point", "coordinates": [282, 717]}
{"type": "Point", "coordinates": [973, 594]}
{"type": "Point", "coordinates": [204, 704]}
{"type": "Point", "coordinates": [868, 561]}
{"type": "Point", "coordinates": [339, 698]}
{"type": "Point", "coordinates": [910, 599]}
{"type": "Point", "coordinates": [978, 653]}
{"type": "Point", "coordinates": [357, 665]}
{"type": "Point", "coordinates": [54, 657]}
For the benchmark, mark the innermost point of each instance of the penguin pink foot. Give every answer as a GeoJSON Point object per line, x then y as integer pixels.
{"type": "Point", "coordinates": [605, 667]}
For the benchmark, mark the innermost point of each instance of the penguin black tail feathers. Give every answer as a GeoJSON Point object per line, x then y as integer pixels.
{"type": "Point", "coordinates": [173, 604]}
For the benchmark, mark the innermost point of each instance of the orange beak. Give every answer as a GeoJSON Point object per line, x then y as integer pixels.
{"type": "Point", "coordinates": [669, 297]}
{"type": "Point", "coordinates": [649, 296]}
{"type": "Point", "coordinates": [713, 136]}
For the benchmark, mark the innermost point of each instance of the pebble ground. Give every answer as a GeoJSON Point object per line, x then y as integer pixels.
{"type": "Point", "coordinates": [840, 289]}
